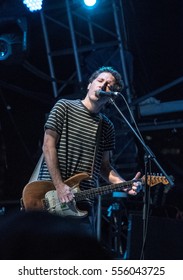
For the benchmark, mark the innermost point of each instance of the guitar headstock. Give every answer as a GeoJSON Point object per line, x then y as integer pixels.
{"type": "Point", "coordinates": [153, 180]}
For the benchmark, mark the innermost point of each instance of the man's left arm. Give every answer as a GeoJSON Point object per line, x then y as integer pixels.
{"type": "Point", "coordinates": [110, 175]}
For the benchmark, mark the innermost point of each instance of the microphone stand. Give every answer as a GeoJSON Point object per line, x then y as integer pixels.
{"type": "Point", "coordinates": [147, 158]}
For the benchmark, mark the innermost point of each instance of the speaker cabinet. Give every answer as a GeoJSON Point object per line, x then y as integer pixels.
{"type": "Point", "coordinates": [164, 239]}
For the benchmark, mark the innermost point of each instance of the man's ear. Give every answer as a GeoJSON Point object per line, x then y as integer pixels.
{"type": "Point", "coordinates": [88, 87]}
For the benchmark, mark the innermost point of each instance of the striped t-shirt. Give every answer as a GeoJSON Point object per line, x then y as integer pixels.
{"type": "Point", "coordinates": [77, 128]}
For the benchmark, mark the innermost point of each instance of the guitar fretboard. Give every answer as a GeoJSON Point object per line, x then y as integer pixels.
{"type": "Point", "coordinates": [91, 193]}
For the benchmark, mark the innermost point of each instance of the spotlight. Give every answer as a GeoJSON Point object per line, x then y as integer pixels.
{"type": "Point", "coordinates": [33, 5]}
{"type": "Point", "coordinates": [90, 3]}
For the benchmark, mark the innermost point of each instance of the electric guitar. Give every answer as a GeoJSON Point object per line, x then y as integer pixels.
{"type": "Point", "coordinates": [42, 195]}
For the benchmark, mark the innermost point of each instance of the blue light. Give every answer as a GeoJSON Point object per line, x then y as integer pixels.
{"type": "Point", "coordinates": [5, 48]}
{"type": "Point", "coordinates": [90, 3]}
{"type": "Point", "coordinates": [33, 5]}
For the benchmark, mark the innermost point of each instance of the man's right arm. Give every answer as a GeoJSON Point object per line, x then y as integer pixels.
{"type": "Point", "coordinates": [51, 158]}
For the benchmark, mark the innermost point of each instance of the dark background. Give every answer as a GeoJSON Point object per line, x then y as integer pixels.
{"type": "Point", "coordinates": [151, 35]}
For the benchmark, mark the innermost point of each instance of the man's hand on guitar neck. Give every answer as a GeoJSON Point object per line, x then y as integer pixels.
{"type": "Point", "coordinates": [136, 186]}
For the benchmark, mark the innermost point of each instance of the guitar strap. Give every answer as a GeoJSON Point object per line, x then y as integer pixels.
{"type": "Point", "coordinates": [98, 135]}
{"type": "Point", "coordinates": [96, 210]}
{"type": "Point", "coordinates": [33, 178]}
{"type": "Point", "coordinates": [35, 173]}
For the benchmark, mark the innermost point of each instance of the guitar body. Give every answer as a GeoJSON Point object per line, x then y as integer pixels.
{"type": "Point", "coordinates": [41, 195]}
{"type": "Point", "coordinates": [54, 206]}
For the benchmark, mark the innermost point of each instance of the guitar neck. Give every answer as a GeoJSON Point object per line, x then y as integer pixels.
{"type": "Point", "coordinates": [92, 193]}
{"type": "Point", "coordinates": [127, 185]}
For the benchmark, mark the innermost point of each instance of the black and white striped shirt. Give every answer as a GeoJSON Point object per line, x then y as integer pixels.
{"type": "Point", "coordinates": [77, 128]}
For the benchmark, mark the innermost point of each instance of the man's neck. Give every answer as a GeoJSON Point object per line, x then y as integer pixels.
{"type": "Point", "coordinates": [92, 106]}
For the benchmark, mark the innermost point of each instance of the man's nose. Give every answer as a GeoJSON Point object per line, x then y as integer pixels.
{"type": "Point", "coordinates": [104, 86]}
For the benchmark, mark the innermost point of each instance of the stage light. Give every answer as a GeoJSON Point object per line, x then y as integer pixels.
{"type": "Point", "coordinates": [13, 40]}
{"type": "Point", "coordinates": [10, 45]}
{"type": "Point", "coordinates": [5, 48]}
{"type": "Point", "coordinates": [33, 5]}
{"type": "Point", "coordinates": [90, 3]}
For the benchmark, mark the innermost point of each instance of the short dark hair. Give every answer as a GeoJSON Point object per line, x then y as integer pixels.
{"type": "Point", "coordinates": [119, 85]}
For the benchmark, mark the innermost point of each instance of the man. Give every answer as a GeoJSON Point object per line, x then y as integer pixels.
{"type": "Point", "coordinates": [79, 138]}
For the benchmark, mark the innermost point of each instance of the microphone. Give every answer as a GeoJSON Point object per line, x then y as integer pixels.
{"type": "Point", "coordinates": [102, 93]}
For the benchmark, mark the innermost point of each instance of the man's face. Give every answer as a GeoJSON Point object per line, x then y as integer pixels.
{"type": "Point", "coordinates": [102, 82]}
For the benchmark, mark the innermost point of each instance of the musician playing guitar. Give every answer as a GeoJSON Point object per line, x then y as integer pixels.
{"type": "Point", "coordinates": [79, 138]}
